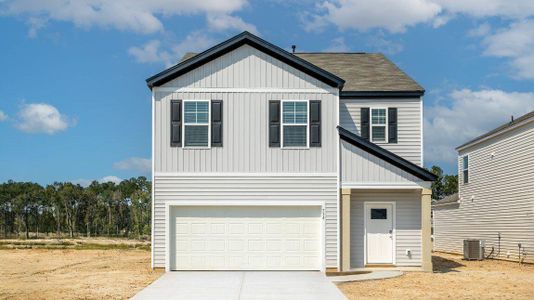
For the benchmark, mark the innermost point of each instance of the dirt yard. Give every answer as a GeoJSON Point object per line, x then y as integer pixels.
{"type": "Point", "coordinates": [453, 278]}
{"type": "Point", "coordinates": [74, 274]}
{"type": "Point", "coordinates": [120, 274]}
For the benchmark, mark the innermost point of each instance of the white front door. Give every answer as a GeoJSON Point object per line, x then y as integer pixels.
{"type": "Point", "coordinates": [379, 232]}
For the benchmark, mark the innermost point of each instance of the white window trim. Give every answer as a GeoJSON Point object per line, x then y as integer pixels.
{"type": "Point", "coordinates": [196, 124]}
{"type": "Point", "coordinates": [465, 169]}
{"type": "Point", "coordinates": [307, 124]}
{"type": "Point", "coordinates": [385, 141]}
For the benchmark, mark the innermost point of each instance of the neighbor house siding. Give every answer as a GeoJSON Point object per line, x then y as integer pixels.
{"type": "Point", "coordinates": [499, 197]}
{"type": "Point", "coordinates": [407, 219]}
{"type": "Point", "coordinates": [409, 145]}
{"type": "Point", "coordinates": [360, 167]}
{"type": "Point", "coordinates": [321, 188]}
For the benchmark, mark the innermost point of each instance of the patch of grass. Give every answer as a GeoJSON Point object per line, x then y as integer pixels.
{"type": "Point", "coordinates": [61, 244]}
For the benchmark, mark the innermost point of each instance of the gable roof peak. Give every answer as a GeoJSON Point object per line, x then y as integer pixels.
{"type": "Point", "coordinates": [235, 42]}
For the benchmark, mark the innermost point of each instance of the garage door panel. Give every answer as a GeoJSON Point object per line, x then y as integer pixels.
{"type": "Point", "coordinates": [247, 238]}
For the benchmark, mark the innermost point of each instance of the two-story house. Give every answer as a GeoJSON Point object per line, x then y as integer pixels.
{"type": "Point", "coordinates": [269, 160]}
{"type": "Point", "coordinates": [495, 203]}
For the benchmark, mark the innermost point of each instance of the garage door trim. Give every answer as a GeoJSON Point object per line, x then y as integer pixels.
{"type": "Point", "coordinates": [170, 204]}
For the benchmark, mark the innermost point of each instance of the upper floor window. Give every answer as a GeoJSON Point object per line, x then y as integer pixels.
{"type": "Point", "coordinates": [295, 123]}
{"type": "Point", "coordinates": [378, 125]}
{"type": "Point", "coordinates": [196, 123]}
{"type": "Point", "coordinates": [465, 168]}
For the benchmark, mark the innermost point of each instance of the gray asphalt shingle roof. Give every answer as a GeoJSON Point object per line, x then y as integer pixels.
{"type": "Point", "coordinates": [362, 72]}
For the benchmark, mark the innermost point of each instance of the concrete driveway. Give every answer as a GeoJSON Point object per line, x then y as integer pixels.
{"type": "Point", "coordinates": [241, 285]}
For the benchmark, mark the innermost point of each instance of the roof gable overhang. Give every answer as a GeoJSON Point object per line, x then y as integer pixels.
{"type": "Point", "coordinates": [245, 38]}
{"type": "Point", "coordinates": [385, 155]}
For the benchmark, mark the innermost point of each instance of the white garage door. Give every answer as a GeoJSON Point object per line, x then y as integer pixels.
{"type": "Point", "coordinates": [246, 238]}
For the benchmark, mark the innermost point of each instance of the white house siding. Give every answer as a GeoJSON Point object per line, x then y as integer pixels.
{"type": "Point", "coordinates": [321, 188]}
{"type": "Point", "coordinates": [409, 144]}
{"type": "Point", "coordinates": [502, 188]}
{"type": "Point", "coordinates": [245, 137]}
{"type": "Point", "coordinates": [408, 224]}
{"type": "Point", "coordinates": [246, 67]}
{"type": "Point", "coordinates": [245, 168]}
{"type": "Point", "coordinates": [360, 167]}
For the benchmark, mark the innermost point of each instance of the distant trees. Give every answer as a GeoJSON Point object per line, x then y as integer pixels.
{"type": "Point", "coordinates": [444, 185]}
{"type": "Point", "coordinates": [64, 208]}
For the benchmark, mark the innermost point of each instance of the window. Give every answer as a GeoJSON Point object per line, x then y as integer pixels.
{"type": "Point", "coordinates": [378, 125]}
{"type": "Point", "coordinates": [295, 123]}
{"type": "Point", "coordinates": [379, 214]}
{"type": "Point", "coordinates": [196, 123]}
{"type": "Point", "coordinates": [465, 168]}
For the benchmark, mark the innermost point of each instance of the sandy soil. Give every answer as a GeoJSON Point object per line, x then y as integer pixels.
{"type": "Point", "coordinates": [453, 278]}
{"type": "Point", "coordinates": [74, 274]}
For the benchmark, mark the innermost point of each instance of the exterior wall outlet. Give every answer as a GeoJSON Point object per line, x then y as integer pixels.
{"type": "Point", "coordinates": [408, 252]}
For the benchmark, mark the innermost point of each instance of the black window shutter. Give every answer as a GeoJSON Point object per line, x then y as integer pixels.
{"type": "Point", "coordinates": [315, 123]}
{"type": "Point", "coordinates": [176, 123]}
{"type": "Point", "coordinates": [364, 122]}
{"type": "Point", "coordinates": [216, 123]}
{"type": "Point", "coordinates": [274, 123]}
{"type": "Point", "coordinates": [392, 125]}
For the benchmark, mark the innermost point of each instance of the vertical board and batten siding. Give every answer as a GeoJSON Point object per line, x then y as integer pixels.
{"type": "Point", "coordinates": [503, 191]}
{"type": "Point", "coordinates": [247, 67]}
{"type": "Point", "coordinates": [409, 144]}
{"type": "Point", "coordinates": [360, 167]}
{"type": "Point", "coordinates": [245, 167]}
{"type": "Point", "coordinates": [247, 188]}
{"type": "Point", "coordinates": [407, 219]}
{"type": "Point", "coordinates": [245, 137]}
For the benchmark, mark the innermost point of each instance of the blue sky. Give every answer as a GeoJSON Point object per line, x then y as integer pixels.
{"type": "Point", "coordinates": [74, 104]}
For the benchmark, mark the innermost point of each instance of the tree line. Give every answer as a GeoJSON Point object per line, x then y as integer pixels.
{"type": "Point", "coordinates": [28, 209]}
{"type": "Point", "coordinates": [444, 185]}
{"type": "Point", "coordinates": [67, 209]}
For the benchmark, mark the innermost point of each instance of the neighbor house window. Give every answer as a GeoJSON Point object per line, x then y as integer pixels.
{"type": "Point", "coordinates": [465, 168]}
{"type": "Point", "coordinates": [378, 124]}
{"type": "Point", "coordinates": [294, 123]}
{"type": "Point", "coordinates": [196, 123]}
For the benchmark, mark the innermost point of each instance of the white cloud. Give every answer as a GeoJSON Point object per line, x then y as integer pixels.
{"type": "Point", "coordinates": [143, 165]}
{"type": "Point", "coordinates": [482, 30]}
{"type": "Point", "coordinates": [110, 178]}
{"type": "Point", "coordinates": [41, 118]}
{"type": "Point", "coordinates": [489, 8]}
{"type": "Point", "coordinates": [516, 43]}
{"type": "Point", "coordinates": [3, 116]}
{"type": "Point", "coordinates": [363, 15]}
{"type": "Point", "coordinates": [222, 22]}
{"type": "Point", "coordinates": [338, 45]}
{"type": "Point", "coordinates": [142, 16]}
{"type": "Point", "coordinates": [154, 52]}
{"type": "Point", "coordinates": [470, 114]}
{"type": "Point", "coordinates": [87, 182]}
{"type": "Point", "coordinates": [384, 45]}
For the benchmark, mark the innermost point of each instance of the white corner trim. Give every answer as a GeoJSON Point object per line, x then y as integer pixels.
{"type": "Point", "coordinates": [422, 133]}
{"type": "Point", "coordinates": [153, 193]}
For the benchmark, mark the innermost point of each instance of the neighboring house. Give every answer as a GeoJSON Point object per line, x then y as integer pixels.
{"type": "Point", "coordinates": [268, 160]}
{"type": "Point", "coordinates": [496, 194]}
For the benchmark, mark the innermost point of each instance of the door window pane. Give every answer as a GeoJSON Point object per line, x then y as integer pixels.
{"type": "Point", "coordinates": [379, 213]}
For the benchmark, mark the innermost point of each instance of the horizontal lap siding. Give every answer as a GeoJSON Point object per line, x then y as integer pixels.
{"type": "Point", "coordinates": [503, 191]}
{"type": "Point", "coordinates": [285, 188]}
{"type": "Point", "coordinates": [408, 225]}
{"type": "Point", "coordinates": [358, 166]}
{"type": "Point", "coordinates": [409, 145]}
